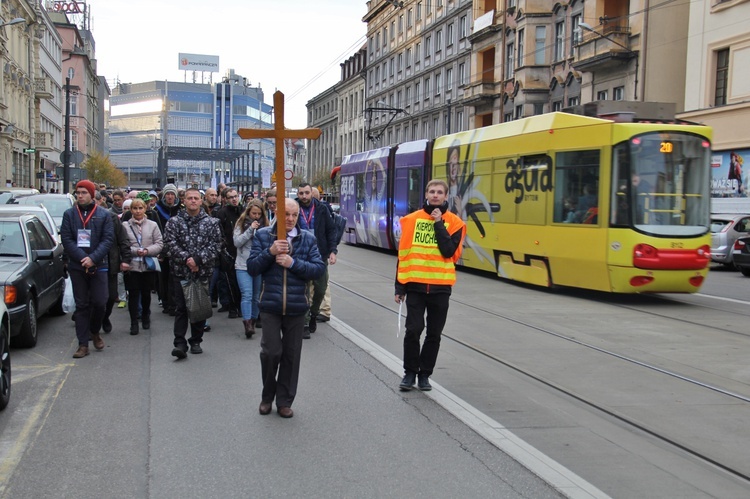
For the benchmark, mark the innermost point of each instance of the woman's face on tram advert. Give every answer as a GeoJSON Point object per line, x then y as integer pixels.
{"type": "Point", "coordinates": [453, 165]}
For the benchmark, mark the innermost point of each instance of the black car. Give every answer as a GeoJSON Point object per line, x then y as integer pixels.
{"type": "Point", "coordinates": [741, 255]}
{"type": "Point", "coordinates": [4, 356]}
{"type": "Point", "coordinates": [32, 273]}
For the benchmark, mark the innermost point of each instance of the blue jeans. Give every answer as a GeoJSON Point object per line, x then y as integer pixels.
{"type": "Point", "coordinates": [250, 291]}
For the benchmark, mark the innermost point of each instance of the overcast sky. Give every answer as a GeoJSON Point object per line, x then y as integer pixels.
{"type": "Point", "coordinates": [281, 45]}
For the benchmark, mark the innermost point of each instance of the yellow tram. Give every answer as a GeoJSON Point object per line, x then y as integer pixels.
{"type": "Point", "coordinates": [571, 200]}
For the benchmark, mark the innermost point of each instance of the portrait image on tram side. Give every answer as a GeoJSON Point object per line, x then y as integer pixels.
{"type": "Point", "coordinates": [368, 225]}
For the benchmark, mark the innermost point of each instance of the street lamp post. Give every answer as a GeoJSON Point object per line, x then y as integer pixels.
{"type": "Point", "coordinates": [587, 27]}
{"type": "Point", "coordinates": [17, 20]}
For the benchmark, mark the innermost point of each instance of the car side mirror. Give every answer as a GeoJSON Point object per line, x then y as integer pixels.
{"type": "Point", "coordinates": [43, 254]}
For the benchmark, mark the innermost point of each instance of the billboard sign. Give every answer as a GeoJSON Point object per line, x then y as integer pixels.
{"type": "Point", "coordinates": [198, 62]}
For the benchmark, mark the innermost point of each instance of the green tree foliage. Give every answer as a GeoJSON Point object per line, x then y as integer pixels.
{"type": "Point", "coordinates": [100, 170]}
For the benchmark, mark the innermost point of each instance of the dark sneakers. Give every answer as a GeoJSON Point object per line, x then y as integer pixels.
{"type": "Point", "coordinates": [408, 382]}
{"type": "Point", "coordinates": [424, 383]}
{"type": "Point", "coordinates": [179, 353]}
{"type": "Point", "coordinates": [195, 348]}
{"type": "Point", "coordinates": [313, 325]}
{"type": "Point", "coordinates": [306, 333]}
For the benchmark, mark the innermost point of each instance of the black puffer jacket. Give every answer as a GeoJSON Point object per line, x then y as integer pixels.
{"type": "Point", "coordinates": [284, 291]}
{"type": "Point", "coordinates": [198, 237]}
{"type": "Point", "coordinates": [102, 236]}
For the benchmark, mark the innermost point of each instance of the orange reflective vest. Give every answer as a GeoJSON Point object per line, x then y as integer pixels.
{"type": "Point", "coordinates": [419, 259]}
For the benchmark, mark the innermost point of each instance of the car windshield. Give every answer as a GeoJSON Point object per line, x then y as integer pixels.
{"type": "Point", "coordinates": [11, 240]}
{"type": "Point", "coordinates": [56, 206]}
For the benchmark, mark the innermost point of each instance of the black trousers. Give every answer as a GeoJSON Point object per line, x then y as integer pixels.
{"type": "Point", "coordinates": [139, 286]}
{"type": "Point", "coordinates": [167, 289]}
{"type": "Point", "coordinates": [91, 294]}
{"type": "Point", "coordinates": [436, 306]}
{"type": "Point", "coordinates": [280, 354]}
{"type": "Point", "coordinates": [181, 320]}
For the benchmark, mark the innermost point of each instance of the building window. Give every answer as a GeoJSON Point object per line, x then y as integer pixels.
{"type": "Point", "coordinates": [393, 30]}
{"type": "Point", "coordinates": [575, 34]}
{"type": "Point", "coordinates": [385, 72]}
{"type": "Point", "coordinates": [463, 27]}
{"type": "Point", "coordinates": [400, 24]}
{"type": "Point", "coordinates": [722, 77]}
{"type": "Point", "coordinates": [448, 80]}
{"type": "Point", "coordinates": [540, 41]}
{"type": "Point", "coordinates": [574, 101]}
{"type": "Point", "coordinates": [462, 74]}
{"type": "Point", "coordinates": [438, 41]}
{"type": "Point", "coordinates": [436, 125]}
{"type": "Point", "coordinates": [559, 41]}
{"type": "Point", "coordinates": [408, 58]}
{"type": "Point", "coordinates": [449, 36]}
{"type": "Point", "coordinates": [417, 96]}
{"type": "Point", "coordinates": [459, 121]}
{"type": "Point", "coordinates": [409, 16]}
{"type": "Point", "coordinates": [398, 99]}
{"type": "Point", "coordinates": [508, 117]}
{"type": "Point", "coordinates": [438, 83]}
{"type": "Point", "coordinates": [519, 112]}
{"type": "Point", "coordinates": [601, 95]}
{"type": "Point", "coordinates": [510, 58]}
{"type": "Point", "coordinates": [400, 65]}
{"type": "Point", "coordinates": [385, 37]}
{"type": "Point", "coordinates": [427, 47]}
{"type": "Point", "coordinates": [426, 88]}
{"type": "Point", "coordinates": [392, 65]}
{"type": "Point", "coordinates": [73, 106]}
{"type": "Point", "coordinates": [419, 11]}
{"type": "Point", "coordinates": [618, 93]}
{"type": "Point", "coordinates": [521, 33]}
{"type": "Point", "coordinates": [407, 101]}
{"type": "Point", "coordinates": [557, 106]}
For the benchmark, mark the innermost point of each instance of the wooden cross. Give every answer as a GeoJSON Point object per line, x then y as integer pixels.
{"type": "Point", "coordinates": [279, 133]}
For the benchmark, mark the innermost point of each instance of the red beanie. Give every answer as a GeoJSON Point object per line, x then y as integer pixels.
{"type": "Point", "coordinates": [88, 185]}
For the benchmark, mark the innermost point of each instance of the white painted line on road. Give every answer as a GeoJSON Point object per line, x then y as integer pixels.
{"type": "Point", "coordinates": [549, 470]}
{"type": "Point", "coordinates": [732, 300]}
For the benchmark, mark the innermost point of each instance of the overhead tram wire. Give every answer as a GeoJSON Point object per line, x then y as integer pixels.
{"type": "Point", "coordinates": [351, 47]}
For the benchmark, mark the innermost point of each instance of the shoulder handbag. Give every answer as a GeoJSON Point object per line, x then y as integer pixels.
{"type": "Point", "coordinates": [152, 264]}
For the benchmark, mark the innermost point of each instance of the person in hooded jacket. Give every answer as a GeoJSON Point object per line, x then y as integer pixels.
{"type": "Point", "coordinates": [286, 266]}
{"type": "Point", "coordinates": [166, 208]}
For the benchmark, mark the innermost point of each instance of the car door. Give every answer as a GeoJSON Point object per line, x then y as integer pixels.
{"type": "Point", "coordinates": [42, 271]}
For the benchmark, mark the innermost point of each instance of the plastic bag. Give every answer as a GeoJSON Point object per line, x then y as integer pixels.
{"type": "Point", "coordinates": [69, 301]}
{"type": "Point", "coordinates": [197, 299]}
{"type": "Point", "coordinates": [152, 263]}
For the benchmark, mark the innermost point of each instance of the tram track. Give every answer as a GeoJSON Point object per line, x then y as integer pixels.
{"type": "Point", "coordinates": [571, 393]}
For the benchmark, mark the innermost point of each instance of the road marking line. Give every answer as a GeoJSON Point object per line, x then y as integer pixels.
{"type": "Point", "coordinates": [549, 470]}
{"type": "Point", "coordinates": [11, 451]}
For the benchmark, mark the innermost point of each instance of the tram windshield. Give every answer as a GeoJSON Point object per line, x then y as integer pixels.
{"type": "Point", "coordinates": [660, 184]}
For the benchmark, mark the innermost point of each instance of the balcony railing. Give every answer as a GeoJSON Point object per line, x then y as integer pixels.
{"type": "Point", "coordinates": [43, 141]}
{"type": "Point", "coordinates": [43, 88]}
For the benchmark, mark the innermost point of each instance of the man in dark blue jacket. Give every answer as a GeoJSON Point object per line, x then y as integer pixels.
{"type": "Point", "coordinates": [87, 235]}
{"type": "Point", "coordinates": [286, 266]}
{"type": "Point", "coordinates": [315, 216]}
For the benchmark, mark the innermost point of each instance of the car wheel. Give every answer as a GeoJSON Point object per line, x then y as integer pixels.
{"type": "Point", "coordinates": [745, 271]}
{"type": "Point", "coordinates": [4, 366]}
{"type": "Point", "coordinates": [27, 338]}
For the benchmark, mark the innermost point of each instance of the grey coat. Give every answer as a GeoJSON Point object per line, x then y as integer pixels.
{"type": "Point", "coordinates": [151, 239]}
{"type": "Point", "coordinates": [243, 241]}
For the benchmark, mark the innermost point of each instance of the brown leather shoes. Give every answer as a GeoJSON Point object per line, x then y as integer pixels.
{"type": "Point", "coordinates": [98, 341]}
{"type": "Point", "coordinates": [265, 408]}
{"type": "Point", "coordinates": [285, 412]}
{"type": "Point", "coordinates": [81, 352]}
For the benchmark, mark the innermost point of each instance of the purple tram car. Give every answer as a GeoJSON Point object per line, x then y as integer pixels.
{"type": "Point", "coordinates": [380, 186]}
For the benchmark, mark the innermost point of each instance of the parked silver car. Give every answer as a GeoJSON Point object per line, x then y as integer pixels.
{"type": "Point", "coordinates": [725, 230]}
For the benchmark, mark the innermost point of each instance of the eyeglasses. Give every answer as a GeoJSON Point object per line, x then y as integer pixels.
{"type": "Point", "coordinates": [232, 197]}
{"type": "Point", "coordinates": [81, 193]}
{"type": "Point", "coordinates": [271, 203]}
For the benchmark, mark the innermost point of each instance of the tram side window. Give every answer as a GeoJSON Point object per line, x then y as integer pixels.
{"type": "Point", "coordinates": [577, 187]}
{"type": "Point", "coordinates": [416, 190]}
